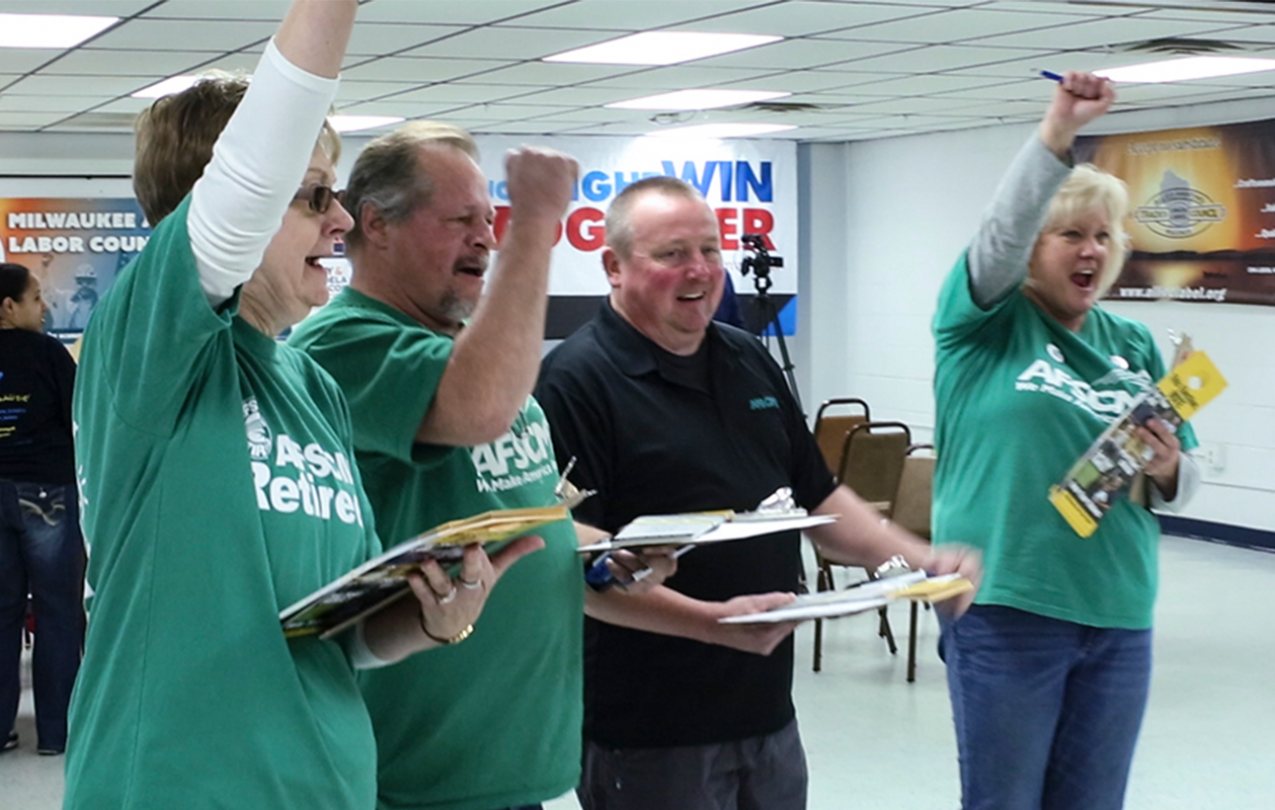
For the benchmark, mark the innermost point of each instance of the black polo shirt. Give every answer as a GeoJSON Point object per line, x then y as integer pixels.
{"type": "Point", "coordinates": [651, 438]}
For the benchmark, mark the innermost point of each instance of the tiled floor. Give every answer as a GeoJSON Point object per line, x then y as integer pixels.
{"type": "Point", "coordinates": [875, 741]}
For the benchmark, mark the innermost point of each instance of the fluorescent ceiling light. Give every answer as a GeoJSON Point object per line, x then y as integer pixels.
{"type": "Point", "coordinates": [49, 30]}
{"type": "Point", "coordinates": [356, 123]}
{"type": "Point", "coordinates": [697, 100]}
{"type": "Point", "coordinates": [173, 84]}
{"type": "Point", "coordinates": [720, 130]}
{"type": "Point", "coordinates": [662, 48]}
{"type": "Point", "coordinates": [1191, 67]}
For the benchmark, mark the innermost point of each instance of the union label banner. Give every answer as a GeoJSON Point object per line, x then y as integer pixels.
{"type": "Point", "coordinates": [1202, 212]}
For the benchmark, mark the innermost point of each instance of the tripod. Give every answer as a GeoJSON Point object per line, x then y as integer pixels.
{"type": "Point", "coordinates": [760, 265]}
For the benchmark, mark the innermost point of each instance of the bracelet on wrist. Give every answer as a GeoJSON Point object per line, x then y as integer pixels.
{"type": "Point", "coordinates": [456, 639]}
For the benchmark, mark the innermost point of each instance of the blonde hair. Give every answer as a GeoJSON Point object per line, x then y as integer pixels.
{"type": "Point", "coordinates": [1087, 188]}
{"type": "Point", "coordinates": [175, 138]}
{"type": "Point", "coordinates": [388, 174]}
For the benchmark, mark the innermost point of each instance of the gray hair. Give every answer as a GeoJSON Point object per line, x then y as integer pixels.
{"type": "Point", "coordinates": [388, 176]}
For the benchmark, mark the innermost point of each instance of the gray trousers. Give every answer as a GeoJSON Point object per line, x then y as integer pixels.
{"type": "Point", "coordinates": [756, 773]}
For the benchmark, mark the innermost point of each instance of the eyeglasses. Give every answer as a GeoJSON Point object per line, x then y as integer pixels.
{"type": "Point", "coordinates": [318, 196]}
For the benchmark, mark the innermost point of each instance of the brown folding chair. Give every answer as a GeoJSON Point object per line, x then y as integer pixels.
{"type": "Point", "coordinates": [871, 465]}
{"type": "Point", "coordinates": [833, 422]}
{"type": "Point", "coordinates": [912, 512]}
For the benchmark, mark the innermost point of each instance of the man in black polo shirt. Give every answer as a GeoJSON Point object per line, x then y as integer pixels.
{"type": "Point", "coordinates": [665, 412]}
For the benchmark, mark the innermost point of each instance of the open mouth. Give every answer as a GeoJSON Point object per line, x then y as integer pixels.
{"type": "Point", "coordinates": [1084, 279]}
{"type": "Point", "coordinates": [315, 262]}
{"type": "Point", "coordinates": [471, 267]}
{"type": "Point", "coordinates": [691, 296]}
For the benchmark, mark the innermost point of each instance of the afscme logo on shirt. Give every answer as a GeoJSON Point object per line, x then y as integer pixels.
{"type": "Point", "coordinates": [1044, 378]}
{"type": "Point", "coordinates": [514, 460]}
{"type": "Point", "coordinates": [294, 476]}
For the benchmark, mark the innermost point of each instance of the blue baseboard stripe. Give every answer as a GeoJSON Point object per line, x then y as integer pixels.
{"type": "Point", "coordinates": [1217, 532]}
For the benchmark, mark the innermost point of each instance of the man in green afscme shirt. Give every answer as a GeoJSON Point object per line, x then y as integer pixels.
{"type": "Point", "coordinates": [438, 374]}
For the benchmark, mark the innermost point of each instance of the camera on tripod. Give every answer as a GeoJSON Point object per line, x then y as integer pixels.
{"type": "Point", "coordinates": [760, 262]}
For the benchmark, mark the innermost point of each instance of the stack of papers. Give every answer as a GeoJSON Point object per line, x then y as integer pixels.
{"type": "Point", "coordinates": [917, 585]}
{"type": "Point", "coordinates": [382, 580]}
{"type": "Point", "coordinates": [701, 528]}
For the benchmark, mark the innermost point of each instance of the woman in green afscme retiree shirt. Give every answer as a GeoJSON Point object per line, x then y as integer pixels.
{"type": "Point", "coordinates": [1049, 670]}
{"type": "Point", "coordinates": [216, 469]}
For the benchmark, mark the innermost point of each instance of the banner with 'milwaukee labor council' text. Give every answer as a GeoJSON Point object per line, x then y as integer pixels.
{"type": "Point", "coordinates": [1202, 211]}
{"type": "Point", "coordinates": [75, 247]}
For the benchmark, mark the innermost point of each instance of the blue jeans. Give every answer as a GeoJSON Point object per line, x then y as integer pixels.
{"type": "Point", "coordinates": [41, 553]}
{"type": "Point", "coordinates": [1047, 712]}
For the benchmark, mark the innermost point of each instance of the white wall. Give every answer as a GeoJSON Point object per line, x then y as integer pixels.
{"type": "Point", "coordinates": [887, 218]}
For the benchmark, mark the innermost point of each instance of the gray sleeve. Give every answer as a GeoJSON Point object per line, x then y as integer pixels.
{"type": "Point", "coordinates": [1002, 247]}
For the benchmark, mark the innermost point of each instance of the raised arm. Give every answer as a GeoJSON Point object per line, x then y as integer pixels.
{"type": "Point", "coordinates": [999, 254]}
{"type": "Point", "coordinates": [494, 363]}
{"type": "Point", "coordinates": [262, 154]}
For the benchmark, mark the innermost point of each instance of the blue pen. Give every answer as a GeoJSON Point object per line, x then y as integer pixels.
{"type": "Point", "coordinates": [1053, 77]}
{"type": "Point", "coordinates": [599, 576]}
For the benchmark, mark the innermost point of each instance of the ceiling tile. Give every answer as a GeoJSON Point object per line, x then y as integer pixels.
{"type": "Point", "coordinates": [404, 109]}
{"type": "Point", "coordinates": [1209, 16]}
{"type": "Point", "coordinates": [418, 69]}
{"type": "Point", "coordinates": [632, 15]}
{"type": "Point", "coordinates": [450, 13]}
{"type": "Point", "coordinates": [457, 94]}
{"type": "Point", "coordinates": [1062, 7]}
{"type": "Point", "coordinates": [1245, 34]}
{"type": "Point", "coordinates": [512, 42]}
{"type": "Point", "coordinates": [797, 18]}
{"type": "Point", "coordinates": [934, 58]}
{"type": "Point", "coordinates": [805, 81]}
{"type": "Point", "coordinates": [996, 111]}
{"type": "Point", "coordinates": [206, 35]}
{"type": "Point", "coordinates": [97, 8]}
{"type": "Point", "coordinates": [552, 74]}
{"type": "Point", "coordinates": [872, 69]}
{"type": "Point", "coordinates": [105, 87]}
{"type": "Point", "coordinates": [585, 96]}
{"type": "Point", "coordinates": [376, 39]}
{"type": "Point", "coordinates": [22, 60]}
{"type": "Point", "coordinates": [351, 92]}
{"type": "Point", "coordinates": [677, 77]}
{"type": "Point", "coordinates": [128, 104]}
{"type": "Point", "coordinates": [28, 120]}
{"type": "Point", "coordinates": [952, 26]}
{"type": "Point", "coordinates": [909, 106]}
{"type": "Point", "coordinates": [801, 54]}
{"type": "Point", "coordinates": [518, 112]}
{"type": "Point", "coordinates": [125, 63]}
{"type": "Point", "coordinates": [1097, 33]}
{"type": "Point", "coordinates": [271, 11]}
{"type": "Point", "coordinates": [10, 102]}
{"type": "Point", "coordinates": [928, 84]}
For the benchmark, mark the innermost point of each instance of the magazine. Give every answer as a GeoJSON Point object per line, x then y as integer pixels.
{"type": "Point", "coordinates": [869, 595]}
{"type": "Point", "coordinates": [701, 528]}
{"type": "Point", "coordinates": [1107, 468]}
{"type": "Point", "coordinates": [382, 580]}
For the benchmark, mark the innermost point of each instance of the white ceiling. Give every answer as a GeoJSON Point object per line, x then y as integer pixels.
{"type": "Point", "coordinates": [865, 69]}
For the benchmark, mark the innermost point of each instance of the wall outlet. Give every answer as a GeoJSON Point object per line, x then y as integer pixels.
{"type": "Point", "coordinates": [1212, 455]}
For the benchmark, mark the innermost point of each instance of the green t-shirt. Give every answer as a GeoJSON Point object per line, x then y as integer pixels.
{"type": "Point", "coordinates": [1018, 399]}
{"type": "Point", "coordinates": [494, 721]}
{"type": "Point", "coordinates": [215, 468]}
